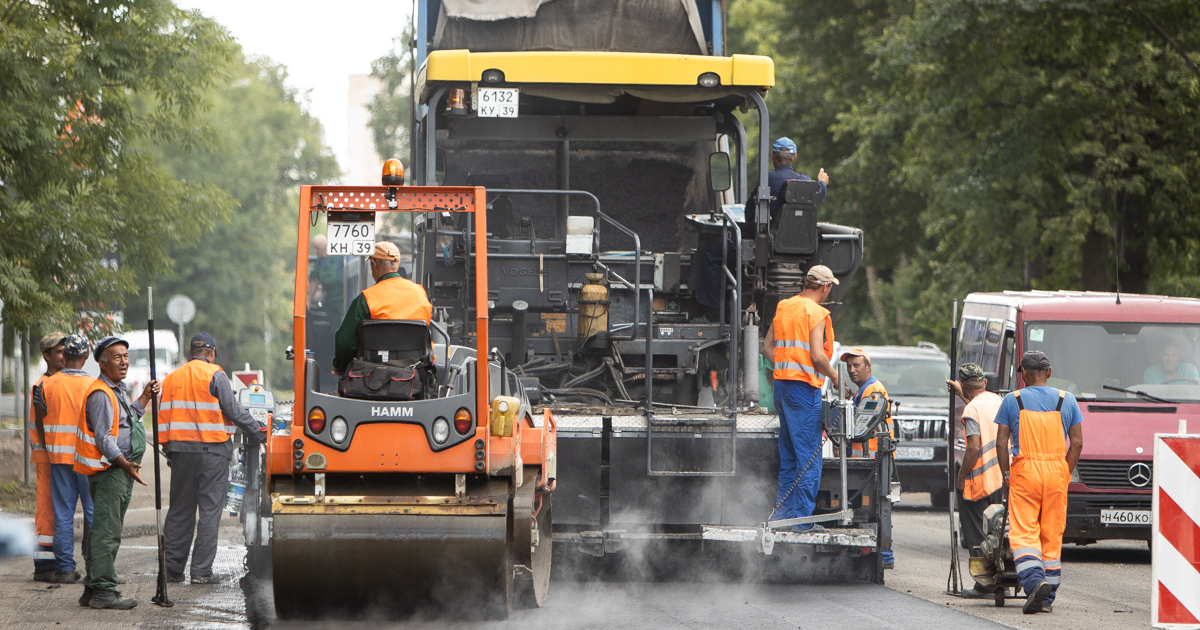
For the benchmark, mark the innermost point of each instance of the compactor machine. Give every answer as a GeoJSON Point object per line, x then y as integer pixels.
{"type": "Point", "coordinates": [371, 506]}
{"type": "Point", "coordinates": [611, 140]}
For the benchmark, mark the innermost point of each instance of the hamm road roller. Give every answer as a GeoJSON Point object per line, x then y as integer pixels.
{"type": "Point", "coordinates": [438, 496]}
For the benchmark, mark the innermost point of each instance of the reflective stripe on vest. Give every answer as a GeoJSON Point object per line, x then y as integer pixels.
{"type": "Point", "coordinates": [397, 298]}
{"type": "Point", "coordinates": [64, 398]}
{"type": "Point", "coordinates": [88, 458]}
{"type": "Point", "coordinates": [188, 412]}
{"type": "Point", "coordinates": [794, 321]}
{"type": "Point", "coordinates": [1040, 433]}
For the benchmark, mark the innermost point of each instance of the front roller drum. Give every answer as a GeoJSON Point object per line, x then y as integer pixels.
{"type": "Point", "coordinates": [532, 528]}
{"type": "Point", "coordinates": [355, 565]}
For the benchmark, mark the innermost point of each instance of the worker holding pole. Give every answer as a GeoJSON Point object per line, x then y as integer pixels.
{"type": "Point", "coordinates": [109, 447]}
{"type": "Point", "coordinates": [58, 403]}
{"type": "Point", "coordinates": [198, 416]}
{"type": "Point", "coordinates": [979, 479]}
{"type": "Point", "coordinates": [1041, 420]}
{"type": "Point", "coordinates": [799, 344]}
{"type": "Point", "coordinates": [45, 567]}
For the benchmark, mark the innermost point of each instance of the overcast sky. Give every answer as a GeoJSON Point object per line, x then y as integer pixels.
{"type": "Point", "coordinates": [321, 42]}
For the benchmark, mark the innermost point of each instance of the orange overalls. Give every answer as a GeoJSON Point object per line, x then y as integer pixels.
{"type": "Point", "coordinates": [1037, 496]}
{"type": "Point", "coordinates": [44, 563]}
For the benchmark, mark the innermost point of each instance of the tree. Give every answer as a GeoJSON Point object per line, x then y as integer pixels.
{"type": "Point", "coordinates": [82, 86]}
{"type": "Point", "coordinates": [241, 272]}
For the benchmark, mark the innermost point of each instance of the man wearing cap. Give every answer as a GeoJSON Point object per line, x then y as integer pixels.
{"type": "Point", "coordinates": [45, 566]}
{"type": "Point", "coordinates": [110, 442]}
{"type": "Point", "coordinates": [58, 408]}
{"type": "Point", "coordinates": [1040, 420]}
{"type": "Point", "coordinates": [391, 297]}
{"type": "Point", "coordinates": [783, 155]}
{"type": "Point", "coordinates": [979, 479]}
{"type": "Point", "coordinates": [799, 343]}
{"type": "Point", "coordinates": [858, 365]}
{"type": "Point", "coordinates": [198, 415]}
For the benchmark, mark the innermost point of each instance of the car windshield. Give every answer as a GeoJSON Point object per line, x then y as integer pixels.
{"type": "Point", "coordinates": [1157, 359]}
{"type": "Point", "coordinates": [912, 377]}
{"type": "Point", "coordinates": [140, 357]}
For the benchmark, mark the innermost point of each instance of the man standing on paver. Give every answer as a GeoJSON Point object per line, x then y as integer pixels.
{"type": "Point", "coordinates": [198, 415]}
{"type": "Point", "coordinates": [1040, 420]}
{"type": "Point", "coordinates": [111, 440]}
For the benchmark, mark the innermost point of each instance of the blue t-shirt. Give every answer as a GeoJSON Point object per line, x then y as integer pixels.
{"type": "Point", "coordinates": [1184, 373]}
{"type": "Point", "coordinates": [1037, 399]}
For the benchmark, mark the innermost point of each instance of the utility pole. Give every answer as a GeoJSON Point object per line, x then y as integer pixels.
{"type": "Point", "coordinates": [25, 399]}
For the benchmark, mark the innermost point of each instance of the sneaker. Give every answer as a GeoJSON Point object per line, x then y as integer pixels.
{"type": "Point", "coordinates": [86, 599]}
{"type": "Point", "coordinates": [889, 564]}
{"type": "Point", "coordinates": [44, 576]}
{"type": "Point", "coordinates": [111, 599]}
{"type": "Point", "coordinates": [1036, 598]}
{"type": "Point", "coordinates": [206, 579]}
{"type": "Point", "coordinates": [1047, 608]}
{"type": "Point", "coordinates": [174, 577]}
{"type": "Point", "coordinates": [67, 577]}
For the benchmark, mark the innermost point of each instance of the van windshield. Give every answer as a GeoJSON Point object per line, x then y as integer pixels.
{"type": "Point", "coordinates": [1158, 359]}
{"type": "Point", "coordinates": [140, 357]}
{"type": "Point", "coordinates": [912, 377]}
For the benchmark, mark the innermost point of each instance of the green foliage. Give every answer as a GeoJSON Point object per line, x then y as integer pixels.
{"type": "Point", "coordinates": [391, 107]}
{"type": "Point", "coordinates": [75, 81]}
{"type": "Point", "coordinates": [988, 145]}
{"type": "Point", "coordinates": [241, 273]}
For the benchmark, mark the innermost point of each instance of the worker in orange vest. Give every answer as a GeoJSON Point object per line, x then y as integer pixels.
{"type": "Point", "coordinates": [391, 297]}
{"type": "Point", "coordinates": [109, 445]}
{"type": "Point", "coordinates": [979, 480]}
{"type": "Point", "coordinates": [799, 344]}
{"type": "Point", "coordinates": [45, 566]}
{"type": "Point", "coordinates": [858, 367]}
{"type": "Point", "coordinates": [1040, 420]}
{"type": "Point", "coordinates": [198, 416]}
{"type": "Point", "coordinates": [58, 403]}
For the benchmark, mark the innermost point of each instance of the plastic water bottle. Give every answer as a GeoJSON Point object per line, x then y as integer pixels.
{"type": "Point", "coordinates": [237, 488]}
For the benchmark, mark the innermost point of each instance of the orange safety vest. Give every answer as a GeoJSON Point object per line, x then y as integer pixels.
{"type": "Point", "coordinates": [188, 412]}
{"type": "Point", "coordinates": [985, 478]}
{"type": "Point", "coordinates": [795, 318]}
{"type": "Point", "coordinates": [868, 449]}
{"type": "Point", "coordinates": [64, 398]}
{"type": "Point", "coordinates": [37, 450]}
{"type": "Point", "coordinates": [397, 298]}
{"type": "Point", "coordinates": [1040, 433]}
{"type": "Point", "coordinates": [88, 458]}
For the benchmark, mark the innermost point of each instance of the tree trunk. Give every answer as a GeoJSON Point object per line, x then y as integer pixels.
{"type": "Point", "coordinates": [1096, 261]}
{"type": "Point", "coordinates": [1134, 244]}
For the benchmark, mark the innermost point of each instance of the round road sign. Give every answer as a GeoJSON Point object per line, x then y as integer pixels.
{"type": "Point", "coordinates": [181, 309]}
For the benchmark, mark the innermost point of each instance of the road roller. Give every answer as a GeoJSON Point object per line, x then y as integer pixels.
{"type": "Point", "coordinates": [434, 495]}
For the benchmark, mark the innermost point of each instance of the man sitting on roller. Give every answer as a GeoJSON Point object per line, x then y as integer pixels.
{"type": "Point", "coordinates": [391, 297]}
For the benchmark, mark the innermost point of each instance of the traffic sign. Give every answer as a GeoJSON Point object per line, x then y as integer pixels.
{"type": "Point", "coordinates": [181, 309]}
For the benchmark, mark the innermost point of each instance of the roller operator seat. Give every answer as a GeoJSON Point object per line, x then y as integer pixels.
{"type": "Point", "coordinates": [397, 342]}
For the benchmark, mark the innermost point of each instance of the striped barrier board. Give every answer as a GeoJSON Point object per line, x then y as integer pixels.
{"type": "Point", "coordinates": [1175, 563]}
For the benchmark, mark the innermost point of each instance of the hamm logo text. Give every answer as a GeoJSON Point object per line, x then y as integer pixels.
{"type": "Point", "coordinates": [397, 412]}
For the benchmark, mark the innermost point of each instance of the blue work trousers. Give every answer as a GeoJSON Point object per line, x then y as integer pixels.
{"type": "Point", "coordinates": [799, 407]}
{"type": "Point", "coordinates": [69, 489]}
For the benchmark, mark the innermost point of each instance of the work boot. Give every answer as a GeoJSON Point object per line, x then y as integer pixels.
{"type": "Point", "coordinates": [67, 577]}
{"type": "Point", "coordinates": [206, 579]}
{"type": "Point", "coordinates": [44, 576]}
{"type": "Point", "coordinates": [111, 599]}
{"type": "Point", "coordinates": [174, 577]}
{"type": "Point", "coordinates": [889, 564]}
{"type": "Point", "coordinates": [1047, 608]}
{"type": "Point", "coordinates": [1037, 597]}
{"type": "Point", "coordinates": [979, 591]}
{"type": "Point", "coordinates": [85, 600]}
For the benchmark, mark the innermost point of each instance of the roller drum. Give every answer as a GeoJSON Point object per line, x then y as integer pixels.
{"type": "Point", "coordinates": [355, 565]}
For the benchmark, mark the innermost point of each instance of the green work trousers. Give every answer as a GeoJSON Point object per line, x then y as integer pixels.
{"type": "Point", "coordinates": [111, 490]}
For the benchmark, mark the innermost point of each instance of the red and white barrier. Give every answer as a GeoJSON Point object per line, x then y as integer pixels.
{"type": "Point", "coordinates": [1175, 564]}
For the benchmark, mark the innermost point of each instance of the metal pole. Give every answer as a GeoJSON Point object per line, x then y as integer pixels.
{"type": "Point", "coordinates": [25, 399]}
{"type": "Point", "coordinates": [160, 596]}
{"type": "Point", "coordinates": [954, 580]}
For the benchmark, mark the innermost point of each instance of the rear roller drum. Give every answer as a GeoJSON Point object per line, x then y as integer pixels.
{"type": "Point", "coordinates": [532, 545]}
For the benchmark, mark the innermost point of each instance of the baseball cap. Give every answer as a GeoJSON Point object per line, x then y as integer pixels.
{"type": "Point", "coordinates": [386, 251]}
{"type": "Point", "coordinates": [970, 372]}
{"type": "Point", "coordinates": [76, 346]}
{"type": "Point", "coordinates": [51, 340]}
{"type": "Point", "coordinates": [203, 340]}
{"type": "Point", "coordinates": [821, 273]}
{"type": "Point", "coordinates": [1035, 360]}
{"type": "Point", "coordinates": [855, 352]}
{"type": "Point", "coordinates": [104, 343]}
{"type": "Point", "coordinates": [784, 145]}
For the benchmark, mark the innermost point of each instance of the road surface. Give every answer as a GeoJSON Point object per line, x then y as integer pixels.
{"type": "Point", "coordinates": [1104, 586]}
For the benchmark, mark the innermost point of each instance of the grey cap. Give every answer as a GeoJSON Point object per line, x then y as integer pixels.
{"type": "Point", "coordinates": [1035, 360]}
{"type": "Point", "coordinates": [103, 345]}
